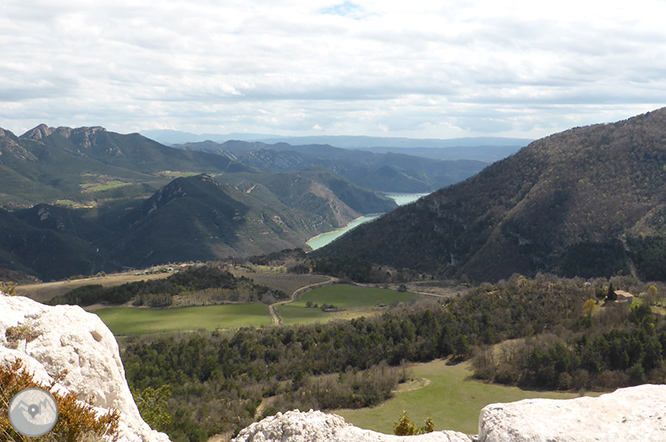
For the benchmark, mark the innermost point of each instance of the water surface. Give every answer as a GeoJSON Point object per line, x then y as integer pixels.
{"type": "Point", "coordinates": [400, 198]}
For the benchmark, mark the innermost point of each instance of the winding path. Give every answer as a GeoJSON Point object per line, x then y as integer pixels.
{"type": "Point", "coordinates": [294, 296]}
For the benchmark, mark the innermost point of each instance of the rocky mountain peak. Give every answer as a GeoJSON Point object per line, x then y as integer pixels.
{"type": "Point", "coordinates": [178, 188]}
{"type": "Point", "coordinates": [68, 132]}
{"type": "Point", "coordinates": [39, 133]}
{"type": "Point", "coordinates": [10, 148]}
{"type": "Point", "coordinates": [6, 134]}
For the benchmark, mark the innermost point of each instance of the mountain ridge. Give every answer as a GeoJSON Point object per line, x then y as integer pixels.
{"type": "Point", "coordinates": [575, 203]}
{"type": "Point", "coordinates": [410, 173]}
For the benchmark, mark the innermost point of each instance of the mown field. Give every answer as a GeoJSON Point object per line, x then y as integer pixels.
{"type": "Point", "coordinates": [140, 321]}
{"type": "Point", "coordinates": [451, 398]}
{"type": "Point", "coordinates": [353, 301]}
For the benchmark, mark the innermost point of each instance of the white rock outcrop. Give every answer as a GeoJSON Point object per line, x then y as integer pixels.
{"type": "Point", "coordinates": [315, 426]}
{"type": "Point", "coordinates": [626, 415]}
{"type": "Point", "coordinates": [636, 414]}
{"type": "Point", "coordinates": [69, 338]}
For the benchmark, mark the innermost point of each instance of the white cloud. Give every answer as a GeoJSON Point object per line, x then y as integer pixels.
{"type": "Point", "coordinates": [421, 69]}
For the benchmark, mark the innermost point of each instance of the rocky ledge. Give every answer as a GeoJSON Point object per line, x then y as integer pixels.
{"type": "Point", "coordinates": [315, 426]}
{"type": "Point", "coordinates": [68, 338]}
{"type": "Point", "coordinates": [628, 414]}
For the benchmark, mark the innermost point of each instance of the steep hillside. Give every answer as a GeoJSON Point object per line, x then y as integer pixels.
{"type": "Point", "coordinates": [589, 201]}
{"type": "Point", "coordinates": [321, 187]}
{"type": "Point", "coordinates": [197, 218]}
{"type": "Point", "coordinates": [393, 172]}
{"type": "Point", "coordinates": [45, 253]}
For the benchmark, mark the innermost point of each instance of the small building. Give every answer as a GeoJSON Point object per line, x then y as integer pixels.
{"type": "Point", "coordinates": [623, 296]}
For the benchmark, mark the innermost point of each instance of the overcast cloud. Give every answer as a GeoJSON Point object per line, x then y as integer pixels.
{"type": "Point", "coordinates": [422, 69]}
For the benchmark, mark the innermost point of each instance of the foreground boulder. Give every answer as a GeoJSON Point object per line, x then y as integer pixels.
{"type": "Point", "coordinates": [315, 426]}
{"type": "Point", "coordinates": [53, 339]}
{"type": "Point", "coordinates": [629, 414]}
{"type": "Point", "coordinates": [636, 414]}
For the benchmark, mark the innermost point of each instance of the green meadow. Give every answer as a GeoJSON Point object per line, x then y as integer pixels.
{"type": "Point", "coordinates": [140, 321]}
{"type": "Point", "coordinates": [353, 301]}
{"type": "Point", "coordinates": [445, 393]}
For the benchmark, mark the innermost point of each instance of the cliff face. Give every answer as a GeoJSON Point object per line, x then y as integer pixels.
{"type": "Point", "coordinates": [68, 338]}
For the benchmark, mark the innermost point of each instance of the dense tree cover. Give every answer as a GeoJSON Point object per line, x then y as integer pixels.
{"type": "Point", "coordinates": [649, 256]}
{"type": "Point", "coordinates": [219, 380]}
{"type": "Point", "coordinates": [359, 270]}
{"type": "Point", "coordinates": [158, 292]}
{"type": "Point", "coordinates": [556, 337]}
{"type": "Point", "coordinates": [281, 257]}
{"type": "Point", "coordinates": [610, 346]}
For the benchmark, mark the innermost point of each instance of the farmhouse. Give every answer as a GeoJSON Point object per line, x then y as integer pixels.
{"type": "Point", "coordinates": [623, 296]}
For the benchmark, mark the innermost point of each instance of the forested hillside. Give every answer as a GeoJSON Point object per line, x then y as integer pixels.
{"type": "Point", "coordinates": [588, 201]}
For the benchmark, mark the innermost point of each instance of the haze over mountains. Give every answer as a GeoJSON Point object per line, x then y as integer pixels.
{"type": "Point", "coordinates": [385, 172]}
{"type": "Point", "coordinates": [487, 149]}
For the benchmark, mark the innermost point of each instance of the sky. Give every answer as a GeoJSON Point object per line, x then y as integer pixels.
{"type": "Point", "coordinates": [420, 69]}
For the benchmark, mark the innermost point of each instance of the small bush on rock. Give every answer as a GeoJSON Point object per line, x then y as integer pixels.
{"type": "Point", "coordinates": [77, 421]}
{"type": "Point", "coordinates": [405, 427]}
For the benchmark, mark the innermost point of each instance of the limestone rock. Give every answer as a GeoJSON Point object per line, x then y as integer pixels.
{"type": "Point", "coordinates": [628, 414]}
{"type": "Point", "coordinates": [315, 426]}
{"type": "Point", "coordinates": [68, 338]}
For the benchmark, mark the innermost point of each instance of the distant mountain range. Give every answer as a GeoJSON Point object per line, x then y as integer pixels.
{"type": "Point", "coordinates": [486, 149]}
{"type": "Point", "coordinates": [384, 172]}
{"type": "Point", "coordinates": [589, 201]}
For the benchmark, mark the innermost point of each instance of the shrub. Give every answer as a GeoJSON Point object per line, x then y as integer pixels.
{"type": "Point", "coordinates": [405, 427]}
{"type": "Point", "coordinates": [153, 406]}
{"type": "Point", "coordinates": [8, 288]}
{"type": "Point", "coordinates": [76, 420]}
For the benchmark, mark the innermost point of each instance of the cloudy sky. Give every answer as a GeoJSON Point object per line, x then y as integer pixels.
{"type": "Point", "coordinates": [423, 69]}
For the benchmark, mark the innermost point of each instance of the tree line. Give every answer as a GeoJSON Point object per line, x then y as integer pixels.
{"type": "Point", "coordinates": [159, 292]}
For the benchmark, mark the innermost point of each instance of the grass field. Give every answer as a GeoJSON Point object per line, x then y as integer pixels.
{"type": "Point", "coordinates": [452, 399]}
{"type": "Point", "coordinates": [97, 187]}
{"type": "Point", "coordinates": [140, 321]}
{"type": "Point", "coordinates": [355, 301]}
